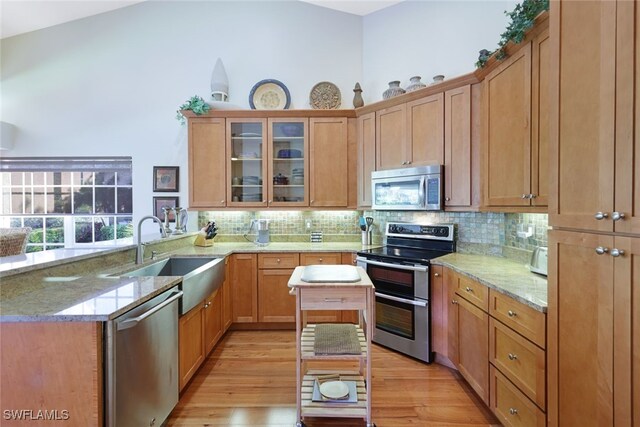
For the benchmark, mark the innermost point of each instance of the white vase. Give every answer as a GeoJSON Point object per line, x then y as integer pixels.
{"type": "Point", "coordinates": [394, 90]}
{"type": "Point", "coordinates": [415, 84]}
{"type": "Point", "coordinates": [219, 82]}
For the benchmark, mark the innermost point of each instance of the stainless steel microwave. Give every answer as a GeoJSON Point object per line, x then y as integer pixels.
{"type": "Point", "coordinates": [410, 189]}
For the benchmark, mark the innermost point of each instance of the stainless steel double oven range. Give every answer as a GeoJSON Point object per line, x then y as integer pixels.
{"type": "Point", "coordinates": [400, 273]}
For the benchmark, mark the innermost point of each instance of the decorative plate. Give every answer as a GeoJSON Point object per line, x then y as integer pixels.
{"type": "Point", "coordinates": [334, 389]}
{"type": "Point", "coordinates": [269, 94]}
{"type": "Point", "coordinates": [325, 96]}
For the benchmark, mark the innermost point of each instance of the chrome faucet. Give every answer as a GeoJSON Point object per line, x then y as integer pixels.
{"type": "Point", "coordinates": [140, 249]}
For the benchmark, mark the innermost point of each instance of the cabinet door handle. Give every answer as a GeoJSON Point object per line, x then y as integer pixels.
{"type": "Point", "coordinates": [617, 252]}
{"type": "Point", "coordinates": [446, 199]}
{"type": "Point", "coordinates": [222, 202]}
{"type": "Point", "coordinates": [312, 201]}
{"type": "Point", "coordinates": [601, 215]}
{"type": "Point", "coordinates": [524, 196]}
{"type": "Point", "coordinates": [468, 289]}
{"type": "Point", "coordinates": [436, 274]}
{"type": "Point", "coordinates": [511, 313]}
{"type": "Point", "coordinates": [333, 300]}
{"type": "Point", "coordinates": [512, 356]}
{"type": "Point", "coordinates": [319, 259]}
{"type": "Point", "coordinates": [617, 216]}
{"type": "Point", "coordinates": [601, 250]}
{"type": "Point", "coordinates": [513, 411]}
{"type": "Point", "coordinates": [454, 301]}
{"type": "Point", "coordinates": [532, 196]}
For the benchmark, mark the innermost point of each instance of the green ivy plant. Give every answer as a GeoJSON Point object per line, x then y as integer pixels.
{"type": "Point", "coordinates": [522, 19]}
{"type": "Point", "coordinates": [195, 104]}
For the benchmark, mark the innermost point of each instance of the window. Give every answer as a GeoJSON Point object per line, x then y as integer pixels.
{"type": "Point", "coordinates": [68, 202]}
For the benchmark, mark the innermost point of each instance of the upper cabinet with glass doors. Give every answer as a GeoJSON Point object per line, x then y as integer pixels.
{"type": "Point", "coordinates": [288, 162]}
{"type": "Point", "coordinates": [247, 162]}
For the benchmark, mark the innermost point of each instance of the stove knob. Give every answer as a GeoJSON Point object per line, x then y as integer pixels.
{"type": "Point", "coordinates": [393, 229]}
{"type": "Point", "coordinates": [400, 230]}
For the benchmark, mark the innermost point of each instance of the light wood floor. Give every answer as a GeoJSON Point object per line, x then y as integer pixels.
{"type": "Point", "coordinates": [249, 380]}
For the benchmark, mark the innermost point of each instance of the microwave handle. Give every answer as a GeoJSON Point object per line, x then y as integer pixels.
{"type": "Point", "coordinates": [398, 266]}
{"type": "Point", "coordinates": [422, 190]}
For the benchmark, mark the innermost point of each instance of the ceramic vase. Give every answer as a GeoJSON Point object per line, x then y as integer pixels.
{"type": "Point", "coordinates": [357, 98]}
{"type": "Point", "coordinates": [415, 84]}
{"type": "Point", "coordinates": [394, 90]}
{"type": "Point", "coordinates": [438, 78]}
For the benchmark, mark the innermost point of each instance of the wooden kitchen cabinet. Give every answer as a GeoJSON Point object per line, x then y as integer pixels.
{"type": "Point", "coordinates": [213, 329]}
{"type": "Point", "coordinates": [192, 350]}
{"type": "Point", "coordinates": [438, 320]}
{"type": "Point", "coordinates": [287, 179]}
{"type": "Point", "coordinates": [274, 302]}
{"type": "Point", "coordinates": [227, 297]}
{"type": "Point", "coordinates": [366, 131]}
{"type": "Point", "coordinates": [516, 127]}
{"type": "Point", "coordinates": [425, 131]}
{"type": "Point", "coordinates": [247, 156]}
{"type": "Point", "coordinates": [411, 134]}
{"type": "Point", "coordinates": [595, 133]}
{"type": "Point", "coordinates": [329, 161]}
{"type": "Point", "coordinates": [207, 163]}
{"type": "Point", "coordinates": [512, 408]}
{"type": "Point", "coordinates": [244, 282]}
{"type": "Point", "coordinates": [468, 334]}
{"type": "Point", "coordinates": [391, 137]}
{"type": "Point", "coordinates": [594, 329]}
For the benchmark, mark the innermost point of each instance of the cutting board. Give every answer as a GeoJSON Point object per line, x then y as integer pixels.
{"type": "Point", "coordinates": [330, 274]}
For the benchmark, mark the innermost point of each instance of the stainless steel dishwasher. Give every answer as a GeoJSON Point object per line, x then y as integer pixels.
{"type": "Point", "coordinates": [142, 363]}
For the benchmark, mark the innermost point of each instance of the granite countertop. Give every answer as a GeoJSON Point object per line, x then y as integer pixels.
{"type": "Point", "coordinates": [504, 275]}
{"type": "Point", "coordinates": [103, 296]}
{"type": "Point", "coordinates": [79, 299]}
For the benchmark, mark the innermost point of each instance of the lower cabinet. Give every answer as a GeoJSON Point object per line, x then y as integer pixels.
{"type": "Point", "coordinates": [199, 330]}
{"type": "Point", "coordinates": [227, 297]}
{"type": "Point", "coordinates": [244, 283]}
{"type": "Point", "coordinates": [274, 302]}
{"type": "Point", "coordinates": [497, 344]}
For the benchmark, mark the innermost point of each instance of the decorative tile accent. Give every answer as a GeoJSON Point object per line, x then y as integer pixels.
{"type": "Point", "coordinates": [478, 232]}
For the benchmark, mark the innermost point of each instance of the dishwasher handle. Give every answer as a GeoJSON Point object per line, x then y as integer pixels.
{"type": "Point", "coordinates": [130, 323]}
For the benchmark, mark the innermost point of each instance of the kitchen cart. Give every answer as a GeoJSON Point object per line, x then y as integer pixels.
{"type": "Point", "coordinates": [333, 293]}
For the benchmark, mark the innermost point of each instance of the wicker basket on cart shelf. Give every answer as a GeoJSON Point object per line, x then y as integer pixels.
{"type": "Point", "coordinates": [13, 241]}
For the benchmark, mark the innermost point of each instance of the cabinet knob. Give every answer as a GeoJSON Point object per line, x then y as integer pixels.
{"type": "Point", "coordinates": [511, 313]}
{"type": "Point", "coordinates": [454, 301]}
{"type": "Point", "coordinates": [617, 216]}
{"type": "Point", "coordinates": [404, 163]}
{"type": "Point", "coordinates": [532, 196]}
{"type": "Point", "coordinates": [617, 252]}
{"type": "Point", "coordinates": [512, 356]}
{"type": "Point", "coordinates": [319, 259]}
{"type": "Point", "coordinates": [601, 250]}
{"type": "Point", "coordinates": [270, 201]}
{"type": "Point", "coordinates": [446, 199]}
{"type": "Point", "coordinates": [409, 162]}
{"type": "Point", "coordinates": [513, 411]}
{"type": "Point", "coordinates": [436, 274]}
{"type": "Point", "coordinates": [278, 260]}
{"type": "Point", "coordinates": [264, 201]}
{"type": "Point", "coordinates": [468, 289]}
{"type": "Point", "coordinates": [601, 215]}
{"type": "Point", "coordinates": [525, 196]}
{"type": "Point", "coordinates": [222, 202]}
{"type": "Point", "coordinates": [312, 201]}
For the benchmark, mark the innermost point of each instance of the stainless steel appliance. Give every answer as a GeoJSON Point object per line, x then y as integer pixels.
{"type": "Point", "coordinates": [400, 274]}
{"type": "Point", "coordinates": [538, 262]}
{"type": "Point", "coordinates": [142, 363]}
{"type": "Point", "coordinates": [417, 189]}
{"type": "Point", "coordinates": [262, 229]}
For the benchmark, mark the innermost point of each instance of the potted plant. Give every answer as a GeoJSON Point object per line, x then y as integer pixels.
{"type": "Point", "coordinates": [195, 104]}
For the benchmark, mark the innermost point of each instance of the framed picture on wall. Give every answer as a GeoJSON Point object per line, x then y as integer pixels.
{"type": "Point", "coordinates": [166, 178]}
{"type": "Point", "coordinates": [160, 202]}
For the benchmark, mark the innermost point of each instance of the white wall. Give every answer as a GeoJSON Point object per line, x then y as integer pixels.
{"type": "Point", "coordinates": [110, 84]}
{"type": "Point", "coordinates": [426, 38]}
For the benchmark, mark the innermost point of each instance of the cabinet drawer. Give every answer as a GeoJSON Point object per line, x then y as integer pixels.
{"type": "Point", "coordinates": [511, 406]}
{"type": "Point", "coordinates": [281, 260]}
{"type": "Point", "coordinates": [523, 319]}
{"type": "Point", "coordinates": [332, 299]}
{"type": "Point", "coordinates": [519, 360]}
{"type": "Point", "coordinates": [315, 258]}
{"type": "Point", "coordinates": [473, 292]}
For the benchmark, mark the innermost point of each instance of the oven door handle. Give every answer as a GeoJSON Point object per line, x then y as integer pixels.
{"type": "Point", "coordinates": [398, 266]}
{"type": "Point", "coordinates": [403, 300]}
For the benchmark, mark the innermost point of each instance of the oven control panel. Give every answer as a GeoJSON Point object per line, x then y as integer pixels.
{"type": "Point", "coordinates": [421, 231]}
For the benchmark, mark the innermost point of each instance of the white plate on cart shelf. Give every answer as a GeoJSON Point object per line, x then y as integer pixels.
{"type": "Point", "coordinates": [334, 389]}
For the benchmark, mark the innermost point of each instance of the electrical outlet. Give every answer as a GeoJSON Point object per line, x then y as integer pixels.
{"type": "Point", "coordinates": [308, 224]}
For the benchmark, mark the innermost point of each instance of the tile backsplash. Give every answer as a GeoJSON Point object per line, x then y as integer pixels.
{"type": "Point", "coordinates": [477, 231]}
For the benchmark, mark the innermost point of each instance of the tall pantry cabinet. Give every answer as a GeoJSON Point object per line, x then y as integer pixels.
{"type": "Point", "coordinates": [594, 248]}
